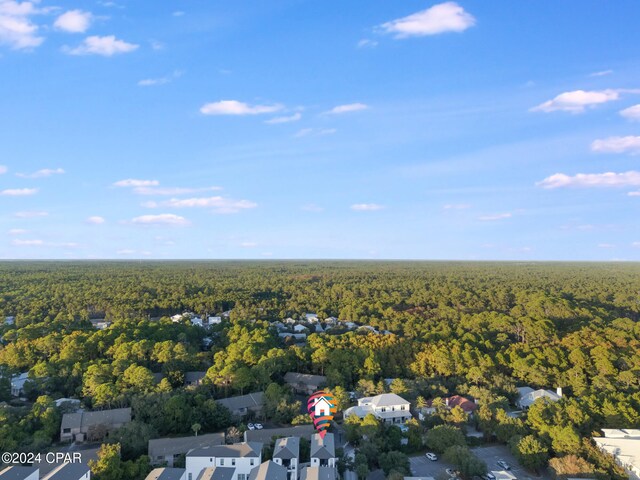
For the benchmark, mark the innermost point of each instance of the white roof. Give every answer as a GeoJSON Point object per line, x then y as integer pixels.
{"type": "Point", "coordinates": [621, 432]}
{"type": "Point", "coordinates": [503, 475]}
{"type": "Point", "coordinates": [625, 450]}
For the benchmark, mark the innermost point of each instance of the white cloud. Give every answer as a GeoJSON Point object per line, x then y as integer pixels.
{"type": "Point", "coordinates": [234, 107]}
{"type": "Point", "coordinates": [456, 206]}
{"type": "Point", "coordinates": [161, 191]}
{"type": "Point", "coordinates": [441, 18]}
{"type": "Point", "coordinates": [178, 13]}
{"type": "Point", "coordinates": [218, 204]}
{"type": "Point", "coordinates": [305, 132]}
{"type": "Point", "coordinates": [152, 82]}
{"type": "Point", "coordinates": [606, 245]}
{"type": "Point", "coordinates": [588, 180]}
{"type": "Point", "coordinates": [73, 21]}
{"type": "Point", "coordinates": [16, 28]}
{"type": "Point", "coordinates": [248, 244]}
{"type": "Point", "coordinates": [18, 192]}
{"type": "Point", "coordinates": [312, 207]}
{"type": "Point", "coordinates": [286, 119]}
{"type": "Point", "coordinates": [636, 244]}
{"type": "Point", "coordinates": [3, 169]}
{"type": "Point", "coordinates": [629, 144]}
{"type": "Point", "coordinates": [18, 231]}
{"type": "Point", "coordinates": [96, 220]}
{"type": "Point", "coordinates": [631, 113]}
{"type": "Point", "coordinates": [162, 219]}
{"type": "Point", "coordinates": [132, 182]}
{"type": "Point", "coordinates": [351, 107]}
{"type": "Point", "coordinates": [30, 214]}
{"type": "Point", "coordinates": [577, 101]}
{"type": "Point", "coordinates": [27, 243]}
{"type": "Point", "coordinates": [601, 73]}
{"type": "Point", "coordinates": [45, 172]}
{"type": "Point", "coordinates": [106, 46]}
{"type": "Point", "coordinates": [496, 216]}
{"type": "Point", "coordinates": [125, 251]}
{"type": "Point", "coordinates": [367, 43]}
{"type": "Point", "coordinates": [366, 207]}
{"type": "Point", "coordinates": [634, 194]}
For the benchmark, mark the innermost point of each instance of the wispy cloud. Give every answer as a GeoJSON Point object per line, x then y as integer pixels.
{"type": "Point", "coordinates": [249, 244]}
{"type": "Point", "coordinates": [578, 101]}
{"type": "Point", "coordinates": [312, 207]}
{"type": "Point", "coordinates": [132, 182]}
{"type": "Point", "coordinates": [152, 82]}
{"type": "Point", "coordinates": [217, 204]}
{"type": "Point", "coordinates": [105, 46]}
{"type": "Point", "coordinates": [234, 107]}
{"type": "Point", "coordinates": [601, 73]}
{"type": "Point", "coordinates": [441, 18]}
{"type": "Point", "coordinates": [96, 220]}
{"type": "Point", "coordinates": [30, 214]}
{"type": "Point", "coordinates": [17, 30]}
{"type": "Point", "coordinates": [367, 43]}
{"type": "Point", "coordinates": [3, 169]}
{"type": "Point", "coordinates": [74, 21]}
{"type": "Point", "coordinates": [629, 144]}
{"type": "Point", "coordinates": [18, 231]}
{"type": "Point", "coordinates": [495, 216]}
{"type": "Point", "coordinates": [19, 242]}
{"type": "Point", "coordinates": [168, 219]}
{"type": "Point", "coordinates": [45, 172]}
{"type": "Point", "coordinates": [350, 107]}
{"type": "Point", "coordinates": [306, 132]}
{"type": "Point", "coordinates": [456, 206]}
{"type": "Point", "coordinates": [366, 207]}
{"type": "Point", "coordinates": [589, 180]}
{"type": "Point", "coordinates": [168, 191]}
{"type": "Point", "coordinates": [631, 113]}
{"type": "Point", "coordinates": [286, 119]}
{"type": "Point", "coordinates": [18, 192]}
{"type": "Point", "coordinates": [178, 13]}
{"type": "Point", "coordinates": [606, 245]}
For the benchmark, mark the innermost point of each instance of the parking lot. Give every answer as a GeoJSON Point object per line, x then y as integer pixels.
{"type": "Point", "coordinates": [492, 453]}
{"type": "Point", "coordinates": [421, 466]}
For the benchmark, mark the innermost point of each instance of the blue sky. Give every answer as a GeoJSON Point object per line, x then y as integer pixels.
{"type": "Point", "coordinates": [299, 129]}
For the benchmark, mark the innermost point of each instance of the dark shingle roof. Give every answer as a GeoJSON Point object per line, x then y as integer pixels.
{"type": "Point", "coordinates": [287, 448]}
{"type": "Point", "coordinates": [303, 378]}
{"type": "Point", "coordinates": [268, 471]}
{"type": "Point", "coordinates": [217, 473]}
{"type": "Point", "coordinates": [17, 473]}
{"type": "Point", "coordinates": [180, 445]}
{"type": "Point", "coordinates": [318, 473]}
{"type": "Point", "coordinates": [250, 400]}
{"type": "Point", "coordinates": [239, 450]}
{"type": "Point", "coordinates": [166, 474]}
{"type": "Point", "coordinates": [323, 448]}
{"type": "Point", "coordinates": [67, 471]}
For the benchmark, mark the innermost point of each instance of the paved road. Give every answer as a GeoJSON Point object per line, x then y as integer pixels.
{"type": "Point", "coordinates": [492, 453]}
{"type": "Point", "coordinates": [421, 466]}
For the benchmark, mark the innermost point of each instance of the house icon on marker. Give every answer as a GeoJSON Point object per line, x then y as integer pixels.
{"type": "Point", "coordinates": [322, 408]}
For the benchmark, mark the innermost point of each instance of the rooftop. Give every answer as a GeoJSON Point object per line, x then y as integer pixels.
{"type": "Point", "coordinates": [67, 471]}
{"type": "Point", "coordinates": [287, 448]}
{"type": "Point", "coordinates": [179, 445]}
{"type": "Point", "coordinates": [238, 450]}
{"type": "Point", "coordinates": [166, 474]}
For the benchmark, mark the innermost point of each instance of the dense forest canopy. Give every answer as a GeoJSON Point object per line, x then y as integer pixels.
{"type": "Point", "coordinates": [476, 329]}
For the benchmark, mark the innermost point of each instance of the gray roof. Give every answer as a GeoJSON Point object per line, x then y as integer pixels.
{"type": "Point", "coordinates": [287, 448]}
{"type": "Point", "coordinates": [67, 471]}
{"type": "Point", "coordinates": [318, 473]}
{"type": "Point", "coordinates": [323, 448]}
{"type": "Point", "coordinates": [17, 473]}
{"type": "Point", "coordinates": [388, 400]}
{"type": "Point", "coordinates": [102, 417]}
{"type": "Point", "coordinates": [267, 434]}
{"type": "Point", "coordinates": [250, 400]}
{"type": "Point", "coordinates": [166, 474]}
{"type": "Point", "coordinates": [192, 377]}
{"type": "Point", "coordinates": [312, 380]}
{"type": "Point", "coordinates": [268, 471]}
{"type": "Point", "coordinates": [238, 450]}
{"type": "Point", "coordinates": [180, 445]}
{"type": "Point", "coordinates": [217, 473]}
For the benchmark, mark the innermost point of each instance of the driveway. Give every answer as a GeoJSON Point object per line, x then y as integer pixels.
{"type": "Point", "coordinates": [492, 453]}
{"type": "Point", "coordinates": [421, 466]}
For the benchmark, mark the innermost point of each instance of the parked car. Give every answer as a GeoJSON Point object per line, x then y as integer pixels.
{"type": "Point", "coordinates": [451, 472]}
{"type": "Point", "coordinates": [251, 426]}
{"type": "Point", "coordinates": [431, 456]}
{"type": "Point", "coordinates": [504, 464]}
{"type": "Point", "coordinates": [488, 476]}
{"type": "Point", "coordinates": [258, 426]}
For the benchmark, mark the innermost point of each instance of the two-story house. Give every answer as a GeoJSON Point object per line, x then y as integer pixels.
{"type": "Point", "coordinates": [286, 453]}
{"type": "Point", "coordinates": [387, 407]}
{"type": "Point", "coordinates": [323, 451]}
{"type": "Point", "coordinates": [243, 457]}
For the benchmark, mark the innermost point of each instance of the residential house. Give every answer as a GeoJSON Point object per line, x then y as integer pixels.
{"type": "Point", "coordinates": [17, 384]}
{"type": "Point", "coordinates": [20, 473]}
{"type": "Point", "coordinates": [319, 473]}
{"type": "Point", "coordinates": [81, 426]}
{"type": "Point", "coordinates": [299, 329]}
{"type": "Point", "coordinates": [100, 323]}
{"type": "Point", "coordinates": [67, 403]}
{"type": "Point", "coordinates": [388, 407]}
{"type": "Point", "coordinates": [290, 321]}
{"type": "Point", "coordinates": [214, 320]}
{"type": "Point", "coordinates": [304, 383]}
{"type": "Point", "coordinates": [286, 453]}
{"type": "Point", "coordinates": [368, 328]}
{"type": "Point", "coordinates": [177, 318]}
{"type": "Point", "coordinates": [527, 395]}
{"type": "Point", "coordinates": [241, 456]}
{"type": "Point", "coordinates": [323, 451]}
{"type": "Point", "coordinates": [9, 320]}
{"type": "Point", "coordinates": [194, 379]}
{"type": "Point", "coordinates": [455, 401]}
{"type": "Point", "coordinates": [300, 337]}
{"type": "Point", "coordinates": [311, 317]}
{"type": "Point", "coordinates": [69, 471]}
{"type": "Point", "coordinates": [350, 325]}
{"type": "Point", "coordinates": [331, 320]}
{"type": "Point", "coordinates": [244, 404]}
{"type": "Point", "coordinates": [167, 474]}
{"type": "Point", "coordinates": [319, 328]}
{"type": "Point", "coordinates": [165, 451]}
{"type": "Point", "coordinates": [217, 473]}
{"type": "Point", "coordinates": [197, 321]}
{"type": "Point", "coordinates": [268, 471]}
{"type": "Point", "coordinates": [265, 435]}
{"type": "Point", "coordinates": [624, 445]}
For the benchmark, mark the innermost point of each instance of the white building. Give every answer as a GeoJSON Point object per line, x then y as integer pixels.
{"type": "Point", "coordinates": [70, 403]}
{"type": "Point", "coordinates": [286, 453]}
{"type": "Point", "coordinates": [311, 317]}
{"type": "Point", "coordinates": [323, 451]}
{"type": "Point", "coordinates": [527, 395]}
{"type": "Point", "coordinates": [388, 407]}
{"type": "Point", "coordinates": [20, 473]}
{"type": "Point", "coordinates": [69, 471]}
{"type": "Point", "coordinates": [299, 328]}
{"type": "Point", "coordinates": [17, 384]}
{"type": "Point", "coordinates": [9, 320]}
{"type": "Point", "coordinates": [243, 457]}
{"type": "Point", "coordinates": [624, 445]}
{"type": "Point", "coordinates": [215, 320]}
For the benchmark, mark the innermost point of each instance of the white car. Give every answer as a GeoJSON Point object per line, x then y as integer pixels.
{"type": "Point", "coordinates": [504, 464]}
{"type": "Point", "coordinates": [431, 456]}
{"type": "Point", "coordinates": [258, 426]}
{"type": "Point", "coordinates": [251, 426]}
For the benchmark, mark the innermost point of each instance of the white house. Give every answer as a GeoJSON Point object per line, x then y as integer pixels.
{"type": "Point", "coordinates": [20, 473]}
{"type": "Point", "coordinates": [17, 384]}
{"type": "Point", "coordinates": [286, 453]}
{"type": "Point", "coordinates": [331, 320]}
{"type": "Point", "coordinates": [197, 321]}
{"type": "Point", "coordinates": [290, 321]}
{"type": "Point", "coordinates": [244, 457]}
{"type": "Point", "coordinates": [215, 320]}
{"type": "Point", "coordinates": [350, 325]}
{"type": "Point", "coordinates": [388, 407]}
{"type": "Point", "coordinates": [69, 471]}
{"type": "Point", "coordinates": [624, 445]}
{"type": "Point", "coordinates": [311, 317]}
{"type": "Point", "coordinates": [299, 328]}
{"type": "Point", "coordinates": [100, 323]}
{"type": "Point", "coordinates": [166, 451]}
{"type": "Point", "coordinates": [527, 395]}
{"type": "Point", "coordinates": [9, 320]}
{"type": "Point", "coordinates": [323, 451]}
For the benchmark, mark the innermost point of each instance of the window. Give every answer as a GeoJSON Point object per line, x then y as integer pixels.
{"type": "Point", "coordinates": [402, 407]}
{"type": "Point", "coordinates": [66, 430]}
{"type": "Point", "coordinates": [191, 476]}
{"type": "Point", "coordinates": [252, 461]}
{"type": "Point", "coordinates": [233, 462]}
{"type": "Point", "coordinates": [222, 461]}
{"type": "Point", "coordinates": [383, 409]}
